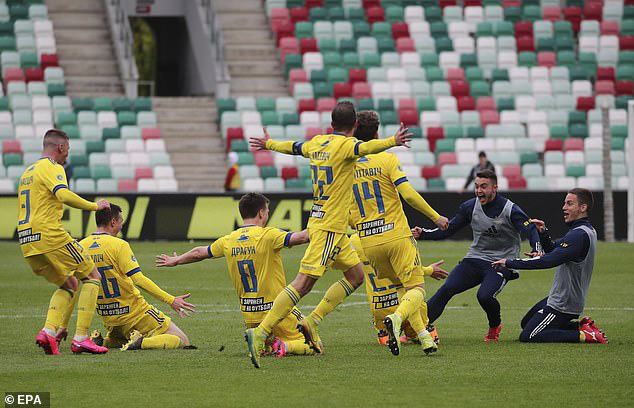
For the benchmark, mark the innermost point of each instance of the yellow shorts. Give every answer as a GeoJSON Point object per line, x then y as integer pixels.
{"type": "Point", "coordinates": [327, 250]}
{"type": "Point", "coordinates": [286, 330]}
{"type": "Point", "coordinates": [397, 261]}
{"type": "Point", "coordinates": [62, 263]}
{"type": "Point", "coordinates": [151, 323]}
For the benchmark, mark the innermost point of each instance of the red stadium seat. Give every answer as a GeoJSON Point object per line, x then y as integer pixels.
{"type": "Point", "coordinates": [547, 59]}
{"type": "Point", "coordinates": [299, 14]}
{"type": "Point", "coordinates": [306, 105]}
{"type": "Point", "coordinates": [466, 103]}
{"type": "Point", "coordinates": [447, 158]}
{"type": "Point", "coordinates": [626, 43]}
{"type": "Point", "coordinates": [371, 3]}
{"type": "Point", "coordinates": [459, 88]}
{"type": "Point", "coordinates": [593, 11]}
{"type": "Point", "coordinates": [361, 90]}
{"type": "Point", "coordinates": [233, 134]}
{"type": "Point", "coordinates": [408, 117]}
{"type": "Point", "coordinates": [283, 30]}
{"type": "Point", "coordinates": [288, 45]}
{"type": "Point", "coordinates": [289, 173]}
{"type": "Point", "coordinates": [604, 88]}
{"type": "Point", "coordinates": [308, 45]}
{"type": "Point", "coordinates": [428, 172]}
{"type": "Point", "coordinates": [551, 13]}
{"type": "Point", "coordinates": [314, 3]}
{"type": "Point", "coordinates": [433, 134]}
{"type": "Point", "coordinates": [400, 30]}
{"type": "Point", "coordinates": [455, 74]}
{"type": "Point", "coordinates": [49, 60]}
{"type": "Point", "coordinates": [467, 3]}
{"type": "Point", "coordinates": [485, 103]}
{"type": "Point", "coordinates": [445, 3]}
{"type": "Point", "coordinates": [407, 104]}
{"type": "Point", "coordinates": [375, 14]}
{"type": "Point", "coordinates": [489, 117]}
{"type": "Point", "coordinates": [573, 143]}
{"type": "Point", "coordinates": [126, 186]}
{"type": "Point", "coordinates": [404, 44]}
{"type": "Point", "coordinates": [517, 183]}
{"type": "Point", "coordinates": [585, 103]}
{"type": "Point", "coordinates": [511, 3]}
{"type": "Point", "coordinates": [263, 158]}
{"type": "Point", "coordinates": [297, 75]}
{"type": "Point", "coordinates": [553, 144]}
{"type": "Point", "coordinates": [326, 104]}
{"type": "Point", "coordinates": [525, 43]}
{"type": "Point", "coordinates": [342, 90]}
{"type": "Point", "coordinates": [155, 133]}
{"type": "Point", "coordinates": [512, 170]}
{"type": "Point", "coordinates": [605, 74]}
{"type": "Point", "coordinates": [573, 14]}
{"type": "Point", "coordinates": [33, 74]}
{"type": "Point", "coordinates": [11, 146]}
{"type": "Point", "coordinates": [625, 87]}
{"type": "Point", "coordinates": [312, 132]}
{"type": "Point", "coordinates": [279, 15]}
{"type": "Point", "coordinates": [523, 29]}
{"type": "Point", "coordinates": [610, 28]}
{"type": "Point", "coordinates": [13, 74]}
{"type": "Point", "coordinates": [143, 173]}
{"type": "Point", "coordinates": [356, 75]}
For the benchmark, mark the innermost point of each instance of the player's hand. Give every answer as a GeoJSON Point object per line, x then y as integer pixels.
{"type": "Point", "coordinates": [539, 224]}
{"type": "Point", "coordinates": [181, 307]}
{"type": "Point", "coordinates": [416, 231]}
{"type": "Point", "coordinates": [259, 143]}
{"type": "Point", "coordinates": [499, 264]}
{"type": "Point", "coordinates": [166, 260]}
{"type": "Point", "coordinates": [443, 223]}
{"type": "Point", "coordinates": [438, 273]}
{"type": "Point", "coordinates": [533, 254]}
{"type": "Point", "coordinates": [101, 204]}
{"type": "Point", "coordinates": [402, 137]}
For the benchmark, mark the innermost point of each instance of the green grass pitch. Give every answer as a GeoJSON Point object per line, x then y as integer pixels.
{"type": "Point", "coordinates": [355, 370]}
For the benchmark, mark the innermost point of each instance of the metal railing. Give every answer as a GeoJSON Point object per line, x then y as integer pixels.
{"type": "Point", "coordinates": [123, 42]}
{"type": "Point", "coordinates": [217, 40]}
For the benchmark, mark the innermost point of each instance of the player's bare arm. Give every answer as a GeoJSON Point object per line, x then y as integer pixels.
{"type": "Point", "coordinates": [193, 255]}
{"type": "Point", "coordinates": [298, 238]}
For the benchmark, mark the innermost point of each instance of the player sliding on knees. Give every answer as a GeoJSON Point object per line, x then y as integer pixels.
{"type": "Point", "coordinates": [496, 223]}
{"type": "Point", "coordinates": [385, 236]}
{"type": "Point", "coordinates": [332, 159]}
{"type": "Point", "coordinates": [255, 265]}
{"type": "Point", "coordinates": [551, 319]}
{"type": "Point", "coordinates": [131, 322]}
{"type": "Point", "coordinates": [51, 252]}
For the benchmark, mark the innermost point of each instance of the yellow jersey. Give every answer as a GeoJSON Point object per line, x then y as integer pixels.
{"type": "Point", "coordinates": [119, 301]}
{"type": "Point", "coordinates": [39, 210]}
{"type": "Point", "coordinates": [377, 213]}
{"type": "Point", "coordinates": [255, 266]}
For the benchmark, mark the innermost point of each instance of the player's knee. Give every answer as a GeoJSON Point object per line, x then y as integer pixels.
{"type": "Point", "coordinates": [355, 275]}
{"type": "Point", "coordinates": [525, 336]}
{"type": "Point", "coordinates": [484, 298]}
{"type": "Point", "coordinates": [303, 284]}
{"type": "Point", "coordinates": [184, 340]}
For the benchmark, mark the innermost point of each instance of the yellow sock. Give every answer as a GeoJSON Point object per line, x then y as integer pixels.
{"type": "Point", "coordinates": [58, 304]}
{"type": "Point", "coordinates": [161, 342]}
{"type": "Point", "coordinates": [423, 313]}
{"type": "Point", "coordinates": [582, 337]}
{"type": "Point", "coordinates": [282, 306]}
{"type": "Point", "coordinates": [334, 295]}
{"type": "Point", "coordinates": [86, 305]}
{"type": "Point", "coordinates": [69, 309]}
{"type": "Point", "coordinates": [299, 348]}
{"type": "Point", "coordinates": [410, 304]}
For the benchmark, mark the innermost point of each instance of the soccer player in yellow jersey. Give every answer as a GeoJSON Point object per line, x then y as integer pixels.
{"type": "Point", "coordinates": [129, 319]}
{"type": "Point", "coordinates": [253, 259]}
{"type": "Point", "coordinates": [51, 252]}
{"type": "Point", "coordinates": [378, 217]}
{"type": "Point", "coordinates": [332, 158]}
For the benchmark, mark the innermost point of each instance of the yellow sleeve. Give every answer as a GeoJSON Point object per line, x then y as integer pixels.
{"type": "Point", "coordinates": [427, 270]}
{"type": "Point", "coordinates": [217, 249]}
{"type": "Point", "coordinates": [127, 261]}
{"type": "Point", "coordinates": [152, 288]}
{"type": "Point", "coordinates": [290, 147]}
{"type": "Point", "coordinates": [410, 195]}
{"type": "Point", "coordinates": [353, 148]}
{"type": "Point", "coordinates": [69, 198]}
{"type": "Point", "coordinates": [53, 177]}
{"type": "Point", "coordinates": [278, 238]}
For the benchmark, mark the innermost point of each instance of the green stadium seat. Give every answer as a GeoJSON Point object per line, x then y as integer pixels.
{"type": "Point", "coordinates": [111, 133]}
{"type": "Point", "coordinates": [436, 184]}
{"type": "Point", "coordinates": [126, 118]}
{"type": "Point", "coordinates": [122, 104]}
{"type": "Point", "coordinates": [103, 104]}
{"type": "Point", "coordinates": [527, 59]}
{"type": "Point", "coordinates": [575, 170]}
{"type": "Point", "coordinates": [265, 104]}
{"type": "Point", "coordinates": [145, 104]}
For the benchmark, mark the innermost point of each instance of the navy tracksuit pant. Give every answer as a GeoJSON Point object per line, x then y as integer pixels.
{"type": "Point", "coordinates": [543, 324]}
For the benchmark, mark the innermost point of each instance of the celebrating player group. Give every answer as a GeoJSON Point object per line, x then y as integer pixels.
{"type": "Point", "coordinates": [356, 185]}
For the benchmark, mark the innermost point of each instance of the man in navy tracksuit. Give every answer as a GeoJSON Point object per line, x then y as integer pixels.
{"type": "Point", "coordinates": [496, 223]}
{"type": "Point", "coordinates": [551, 319]}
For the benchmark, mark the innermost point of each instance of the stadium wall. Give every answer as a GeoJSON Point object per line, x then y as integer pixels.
{"type": "Point", "coordinates": [209, 216]}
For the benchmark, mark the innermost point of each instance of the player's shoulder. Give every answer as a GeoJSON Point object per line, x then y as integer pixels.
{"type": "Point", "coordinates": [469, 204]}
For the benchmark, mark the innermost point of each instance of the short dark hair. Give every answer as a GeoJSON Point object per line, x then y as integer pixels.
{"type": "Point", "coordinates": [584, 196]}
{"type": "Point", "coordinates": [251, 203]}
{"type": "Point", "coordinates": [103, 217]}
{"type": "Point", "coordinates": [488, 174]}
{"type": "Point", "coordinates": [482, 154]}
{"type": "Point", "coordinates": [343, 116]}
{"type": "Point", "coordinates": [367, 125]}
{"type": "Point", "coordinates": [53, 137]}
